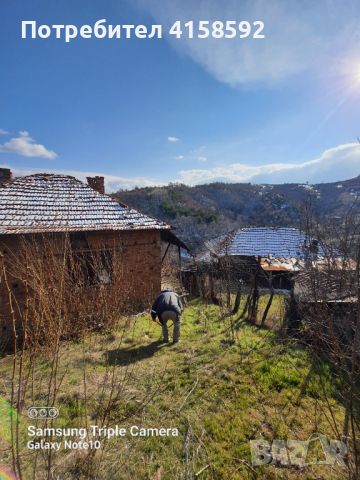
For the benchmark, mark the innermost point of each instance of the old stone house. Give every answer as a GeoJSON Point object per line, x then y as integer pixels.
{"type": "Point", "coordinates": [78, 223]}
{"type": "Point", "coordinates": [271, 252]}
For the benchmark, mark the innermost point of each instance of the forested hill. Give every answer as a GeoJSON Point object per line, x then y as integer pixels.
{"type": "Point", "coordinates": [205, 211]}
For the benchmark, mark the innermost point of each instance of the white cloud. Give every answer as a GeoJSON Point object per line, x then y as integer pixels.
{"type": "Point", "coordinates": [338, 163]}
{"type": "Point", "coordinates": [335, 164]}
{"type": "Point", "coordinates": [3, 132]}
{"type": "Point", "coordinates": [194, 155]}
{"type": "Point", "coordinates": [25, 146]}
{"type": "Point", "coordinates": [299, 36]}
{"type": "Point", "coordinates": [173, 139]}
{"type": "Point", "coordinates": [113, 183]}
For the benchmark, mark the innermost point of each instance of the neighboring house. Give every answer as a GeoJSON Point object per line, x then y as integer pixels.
{"type": "Point", "coordinates": [278, 251]}
{"type": "Point", "coordinates": [51, 207]}
{"type": "Point", "coordinates": [327, 297]}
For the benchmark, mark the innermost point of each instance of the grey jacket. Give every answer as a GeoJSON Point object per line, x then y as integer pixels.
{"type": "Point", "coordinates": [167, 300]}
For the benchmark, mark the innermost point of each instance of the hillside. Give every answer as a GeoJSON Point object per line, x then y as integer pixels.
{"type": "Point", "coordinates": [205, 211]}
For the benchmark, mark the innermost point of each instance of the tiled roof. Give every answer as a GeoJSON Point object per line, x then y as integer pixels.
{"type": "Point", "coordinates": [60, 203]}
{"type": "Point", "coordinates": [326, 286]}
{"type": "Point", "coordinates": [268, 242]}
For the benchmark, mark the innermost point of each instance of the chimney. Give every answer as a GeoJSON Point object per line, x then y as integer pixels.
{"type": "Point", "coordinates": [5, 176]}
{"type": "Point", "coordinates": [96, 183]}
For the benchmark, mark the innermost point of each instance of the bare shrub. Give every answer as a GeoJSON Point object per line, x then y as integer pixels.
{"type": "Point", "coordinates": [61, 292]}
{"type": "Point", "coordinates": [56, 292]}
{"type": "Point", "coordinates": [327, 294]}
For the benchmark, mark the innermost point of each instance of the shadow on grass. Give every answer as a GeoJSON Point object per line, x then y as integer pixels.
{"type": "Point", "coordinates": [126, 356]}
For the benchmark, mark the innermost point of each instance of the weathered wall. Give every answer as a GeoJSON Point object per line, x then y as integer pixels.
{"type": "Point", "coordinates": [136, 260]}
{"type": "Point", "coordinates": [138, 254]}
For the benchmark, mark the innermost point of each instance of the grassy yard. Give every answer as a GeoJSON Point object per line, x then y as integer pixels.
{"type": "Point", "coordinates": [218, 392]}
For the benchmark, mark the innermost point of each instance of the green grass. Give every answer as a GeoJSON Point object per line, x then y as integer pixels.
{"type": "Point", "coordinates": [219, 394]}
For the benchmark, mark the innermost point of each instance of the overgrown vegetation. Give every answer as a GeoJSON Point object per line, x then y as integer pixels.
{"type": "Point", "coordinates": [250, 366]}
{"type": "Point", "coordinates": [219, 394]}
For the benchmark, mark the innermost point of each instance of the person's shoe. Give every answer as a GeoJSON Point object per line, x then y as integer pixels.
{"type": "Point", "coordinates": [175, 341]}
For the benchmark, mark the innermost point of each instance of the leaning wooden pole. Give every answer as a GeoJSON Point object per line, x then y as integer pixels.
{"type": "Point", "coordinates": [255, 299]}
{"type": "Point", "coordinates": [267, 308]}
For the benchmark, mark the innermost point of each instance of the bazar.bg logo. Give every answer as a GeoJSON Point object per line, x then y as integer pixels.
{"type": "Point", "coordinates": [43, 412]}
{"type": "Point", "coordinates": [317, 450]}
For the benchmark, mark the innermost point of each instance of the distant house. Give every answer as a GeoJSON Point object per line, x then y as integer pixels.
{"type": "Point", "coordinates": [327, 297]}
{"type": "Point", "coordinates": [51, 208]}
{"type": "Point", "coordinates": [275, 251]}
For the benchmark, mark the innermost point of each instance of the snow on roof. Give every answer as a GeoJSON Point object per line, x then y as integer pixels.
{"type": "Point", "coordinates": [266, 242]}
{"type": "Point", "coordinates": [61, 203]}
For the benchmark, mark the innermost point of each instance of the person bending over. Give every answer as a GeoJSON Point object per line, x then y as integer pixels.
{"type": "Point", "coordinates": [167, 307]}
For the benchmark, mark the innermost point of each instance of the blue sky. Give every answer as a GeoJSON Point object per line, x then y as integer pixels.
{"type": "Point", "coordinates": [146, 112]}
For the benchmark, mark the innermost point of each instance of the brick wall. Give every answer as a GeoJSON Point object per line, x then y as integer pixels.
{"type": "Point", "coordinates": [138, 253]}
{"type": "Point", "coordinates": [136, 260]}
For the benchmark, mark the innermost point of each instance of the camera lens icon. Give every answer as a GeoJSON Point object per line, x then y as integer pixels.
{"type": "Point", "coordinates": [43, 413]}
{"type": "Point", "coordinates": [32, 412]}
